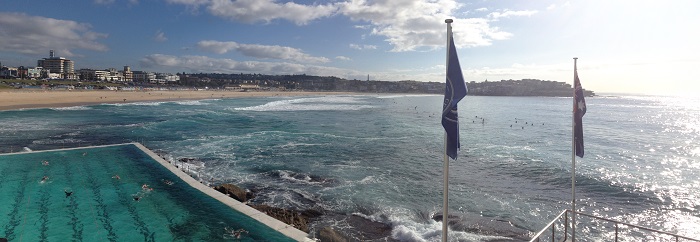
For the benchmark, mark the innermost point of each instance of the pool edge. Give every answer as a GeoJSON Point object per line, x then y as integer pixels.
{"type": "Point", "coordinates": [279, 226]}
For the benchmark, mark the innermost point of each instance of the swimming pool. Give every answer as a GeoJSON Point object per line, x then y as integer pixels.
{"type": "Point", "coordinates": [117, 193]}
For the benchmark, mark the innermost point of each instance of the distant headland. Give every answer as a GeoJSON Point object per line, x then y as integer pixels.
{"type": "Point", "coordinates": [524, 87]}
{"type": "Point", "coordinates": [262, 82]}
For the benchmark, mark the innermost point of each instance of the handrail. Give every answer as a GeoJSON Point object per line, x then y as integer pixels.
{"type": "Point", "coordinates": [565, 213]}
{"type": "Point", "coordinates": [551, 224]}
{"type": "Point", "coordinates": [639, 227]}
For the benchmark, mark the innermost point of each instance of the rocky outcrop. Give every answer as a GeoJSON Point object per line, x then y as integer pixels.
{"type": "Point", "coordinates": [299, 220]}
{"type": "Point", "coordinates": [234, 191]}
{"type": "Point", "coordinates": [186, 160]}
{"type": "Point", "coordinates": [327, 234]}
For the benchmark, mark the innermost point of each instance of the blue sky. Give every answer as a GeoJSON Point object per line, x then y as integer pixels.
{"type": "Point", "coordinates": [623, 46]}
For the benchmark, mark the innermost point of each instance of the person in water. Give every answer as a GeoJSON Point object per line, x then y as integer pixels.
{"type": "Point", "coordinates": [116, 177]}
{"type": "Point", "coordinates": [145, 187]}
{"type": "Point", "coordinates": [68, 193]}
{"type": "Point", "coordinates": [44, 179]}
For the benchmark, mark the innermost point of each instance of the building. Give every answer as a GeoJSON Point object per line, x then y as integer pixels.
{"type": "Point", "coordinates": [59, 65]}
{"type": "Point", "coordinates": [9, 72]}
{"type": "Point", "coordinates": [92, 75]}
{"type": "Point", "coordinates": [128, 75]}
{"type": "Point", "coordinates": [142, 76]}
{"type": "Point", "coordinates": [35, 73]}
{"type": "Point", "coordinates": [167, 78]}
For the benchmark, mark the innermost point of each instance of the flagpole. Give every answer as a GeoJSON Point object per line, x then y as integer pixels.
{"type": "Point", "coordinates": [446, 161]}
{"type": "Point", "coordinates": [573, 162]}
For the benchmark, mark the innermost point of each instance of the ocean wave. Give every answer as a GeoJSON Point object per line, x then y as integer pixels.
{"type": "Point", "coordinates": [134, 104]}
{"type": "Point", "coordinates": [194, 102]}
{"type": "Point", "coordinates": [301, 177]}
{"type": "Point", "coordinates": [26, 124]}
{"type": "Point", "coordinates": [408, 95]}
{"type": "Point", "coordinates": [73, 108]}
{"type": "Point", "coordinates": [57, 141]}
{"type": "Point", "coordinates": [325, 103]}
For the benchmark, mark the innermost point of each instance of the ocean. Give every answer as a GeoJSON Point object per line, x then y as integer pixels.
{"type": "Point", "coordinates": [379, 158]}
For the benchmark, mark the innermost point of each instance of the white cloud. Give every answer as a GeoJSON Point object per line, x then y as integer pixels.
{"type": "Point", "coordinates": [552, 6]}
{"type": "Point", "coordinates": [26, 34]}
{"type": "Point", "coordinates": [260, 51]}
{"type": "Point", "coordinates": [343, 58]}
{"type": "Point", "coordinates": [363, 47]}
{"type": "Point", "coordinates": [409, 25]}
{"type": "Point", "coordinates": [510, 13]}
{"type": "Point", "coordinates": [252, 11]}
{"type": "Point", "coordinates": [208, 64]}
{"type": "Point", "coordinates": [160, 36]}
{"type": "Point", "coordinates": [481, 9]}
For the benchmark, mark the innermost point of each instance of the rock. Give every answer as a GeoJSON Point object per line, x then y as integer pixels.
{"type": "Point", "coordinates": [186, 160]}
{"type": "Point", "coordinates": [311, 213]}
{"type": "Point", "coordinates": [451, 219]}
{"type": "Point", "coordinates": [485, 226]}
{"type": "Point", "coordinates": [352, 228]}
{"type": "Point", "coordinates": [327, 234]}
{"type": "Point", "coordinates": [233, 191]}
{"type": "Point", "coordinates": [291, 217]}
{"type": "Point", "coordinates": [369, 230]}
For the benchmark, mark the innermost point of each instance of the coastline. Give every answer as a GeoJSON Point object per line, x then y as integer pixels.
{"type": "Point", "coordinates": [22, 99]}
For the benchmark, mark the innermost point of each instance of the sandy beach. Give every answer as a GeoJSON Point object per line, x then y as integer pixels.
{"type": "Point", "coordinates": [19, 99]}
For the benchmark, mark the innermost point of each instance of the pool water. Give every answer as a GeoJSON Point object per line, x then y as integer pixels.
{"type": "Point", "coordinates": [98, 194]}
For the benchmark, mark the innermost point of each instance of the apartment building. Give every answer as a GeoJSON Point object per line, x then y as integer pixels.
{"type": "Point", "coordinates": [59, 65]}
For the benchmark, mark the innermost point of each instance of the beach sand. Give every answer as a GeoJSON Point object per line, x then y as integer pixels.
{"type": "Point", "coordinates": [20, 99]}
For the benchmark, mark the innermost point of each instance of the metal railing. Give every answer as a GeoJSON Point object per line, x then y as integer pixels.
{"type": "Point", "coordinates": [564, 215]}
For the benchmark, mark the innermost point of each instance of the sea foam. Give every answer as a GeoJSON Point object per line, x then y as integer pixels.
{"type": "Point", "coordinates": [312, 104]}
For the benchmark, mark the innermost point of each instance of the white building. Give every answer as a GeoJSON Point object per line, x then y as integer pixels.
{"type": "Point", "coordinates": [58, 65]}
{"type": "Point", "coordinates": [142, 76]}
{"type": "Point", "coordinates": [92, 75]}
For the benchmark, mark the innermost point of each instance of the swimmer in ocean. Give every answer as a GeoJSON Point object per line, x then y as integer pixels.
{"type": "Point", "coordinates": [68, 193]}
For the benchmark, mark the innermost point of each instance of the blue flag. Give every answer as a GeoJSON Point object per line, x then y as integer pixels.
{"type": "Point", "coordinates": [455, 90]}
{"type": "Point", "coordinates": [579, 111]}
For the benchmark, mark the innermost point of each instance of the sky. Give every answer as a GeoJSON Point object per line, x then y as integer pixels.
{"type": "Point", "coordinates": [646, 47]}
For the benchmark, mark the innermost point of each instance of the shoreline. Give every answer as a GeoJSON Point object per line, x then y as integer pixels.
{"type": "Point", "coordinates": [22, 99]}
